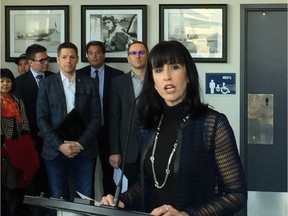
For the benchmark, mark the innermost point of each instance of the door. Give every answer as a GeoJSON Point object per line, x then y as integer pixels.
{"type": "Point", "coordinates": [264, 107]}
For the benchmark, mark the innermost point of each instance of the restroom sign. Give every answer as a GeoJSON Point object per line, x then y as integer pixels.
{"type": "Point", "coordinates": [220, 83]}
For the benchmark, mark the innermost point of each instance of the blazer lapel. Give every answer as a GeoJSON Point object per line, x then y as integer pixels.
{"type": "Point", "coordinates": [130, 86]}
{"type": "Point", "coordinates": [62, 97]}
{"type": "Point", "coordinates": [34, 85]}
{"type": "Point", "coordinates": [78, 83]}
{"type": "Point", "coordinates": [107, 77]}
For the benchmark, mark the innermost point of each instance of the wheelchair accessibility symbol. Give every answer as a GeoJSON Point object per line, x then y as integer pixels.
{"type": "Point", "coordinates": [223, 89]}
{"type": "Point", "coordinates": [220, 84]}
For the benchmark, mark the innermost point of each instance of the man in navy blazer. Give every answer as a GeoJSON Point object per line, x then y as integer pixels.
{"type": "Point", "coordinates": [95, 51]}
{"type": "Point", "coordinates": [124, 90]}
{"type": "Point", "coordinates": [27, 89]}
{"type": "Point", "coordinates": [57, 96]}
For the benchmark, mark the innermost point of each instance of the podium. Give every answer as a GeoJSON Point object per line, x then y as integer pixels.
{"type": "Point", "coordinates": [78, 208]}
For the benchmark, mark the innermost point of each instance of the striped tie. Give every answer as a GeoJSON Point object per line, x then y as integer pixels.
{"type": "Point", "coordinates": [39, 78]}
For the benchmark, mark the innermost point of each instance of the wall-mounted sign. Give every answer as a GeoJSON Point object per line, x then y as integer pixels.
{"type": "Point", "coordinates": [220, 83]}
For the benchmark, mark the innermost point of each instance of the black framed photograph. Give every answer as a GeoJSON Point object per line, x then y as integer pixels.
{"type": "Point", "coordinates": [115, 26]}
{"type": "Point", "coordinates": [202, 28]}
{"type": "Point", "coordinates": [26, 25]}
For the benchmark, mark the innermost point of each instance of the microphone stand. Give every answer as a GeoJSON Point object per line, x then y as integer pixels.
{"type": "Point", "coordinates": [119, 185]}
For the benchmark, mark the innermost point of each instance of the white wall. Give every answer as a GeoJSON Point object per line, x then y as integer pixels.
{"type": "Point", "coordinates": [228, 104]}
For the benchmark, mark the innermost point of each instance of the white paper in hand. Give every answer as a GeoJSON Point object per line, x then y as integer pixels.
{"type": "Point", "coordinates": [117, 176]}
{"type": "Point", "coordinates": [96, 203]}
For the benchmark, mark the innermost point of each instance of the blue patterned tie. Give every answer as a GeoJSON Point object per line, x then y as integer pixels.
{"type": "Point", "coordinates": [39, 78]}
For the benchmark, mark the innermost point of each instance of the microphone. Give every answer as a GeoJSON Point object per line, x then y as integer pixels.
{"type": "Point", "coordinates": [119, 185]}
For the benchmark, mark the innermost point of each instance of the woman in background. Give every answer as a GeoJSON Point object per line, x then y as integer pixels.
{"type": "Point", "coordinates": [190, 163]}
{"type": "Point", "coordinates": [14, 123]}
{"type": "Point", "coordinates": [22, 63]}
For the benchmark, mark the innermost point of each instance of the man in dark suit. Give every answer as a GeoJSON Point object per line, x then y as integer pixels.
{"type": "Point", "coordinates": [27, 89]}
{"type": "Point", "coordinates": [96, 56]}
{"type": "Point", "coordinates": [124, 90]}
{"type": "Point", "coordinates": [27, 86]}
{"type": "Point", "coordinates": [57, 96]}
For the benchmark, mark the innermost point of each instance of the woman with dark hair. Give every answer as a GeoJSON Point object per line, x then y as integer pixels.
{"type": "Point", "coordinates": [117, 39]}
{"type": "Point", "coordinates": [14, 123]}
{"type": "Point", "coordinates": [190, 163]}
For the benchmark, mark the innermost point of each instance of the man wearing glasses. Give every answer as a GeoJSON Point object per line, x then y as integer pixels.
{"type": "Point", "coordinates": [124, 90]}
{"type": "Point", "coordinates": [27, 89]}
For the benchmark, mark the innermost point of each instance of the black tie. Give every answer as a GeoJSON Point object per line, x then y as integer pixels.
{"type": "Point", "coordinates": [97, 78]}
{"type": "Point", "coordinates": [39, 78]}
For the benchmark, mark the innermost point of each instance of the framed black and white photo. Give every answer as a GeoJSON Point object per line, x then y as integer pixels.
{"type": "Point", "coordinates": [201, 28]}
{"type": "Point", "coordinates": [115, 26]}
{"type": "Point", "coordinates": [26, 25]}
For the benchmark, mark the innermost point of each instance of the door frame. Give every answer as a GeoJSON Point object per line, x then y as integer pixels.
{"type": "Point", "coordinates": [244, 9]}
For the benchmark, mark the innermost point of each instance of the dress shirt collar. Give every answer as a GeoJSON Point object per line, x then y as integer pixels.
{"type": "Point", "coordinates": [100, 71]}
{"type": "Point", "coordinates": [37, 73]}
{"type": "Point", "coordinates": [134, 76]}
{"type": "Point", "coordinates": [63, 78]}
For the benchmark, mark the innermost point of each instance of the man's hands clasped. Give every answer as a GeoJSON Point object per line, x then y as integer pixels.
{"type": "Point", "coordinates": [71, 148]}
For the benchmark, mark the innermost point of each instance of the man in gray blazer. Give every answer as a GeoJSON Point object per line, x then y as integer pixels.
{"type": "Point", "coordinates": [57, 96]}
{"type": "Point", "coordinates": [124, 90]}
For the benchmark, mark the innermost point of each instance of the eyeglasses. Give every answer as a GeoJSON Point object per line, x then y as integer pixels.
{"type": "Point", "coordinates": [42, 61]}
{"type": "Point", "coordinates": [141, 52]}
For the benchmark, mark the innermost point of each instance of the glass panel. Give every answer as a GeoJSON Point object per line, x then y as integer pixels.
{"type": "Point", "coordinates": [260, 119]}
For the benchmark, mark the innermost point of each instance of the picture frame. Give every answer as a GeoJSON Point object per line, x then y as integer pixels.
{"type": "Point", "coordinates": [115, 26]}
{"type": "Point", "coordinates": [202, 28]}
{"type": "Point", "coordinates": [44, 25]}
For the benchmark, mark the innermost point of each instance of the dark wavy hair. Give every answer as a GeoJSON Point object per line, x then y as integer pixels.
{"type": "Point", "coordinates": [111, 18]}
{"type": "Point", "coordinates": [6, 73]}
{"type": "Point", "coordinates": [96, 43]}
{"type": "Point", "coordinates": [150, 105]}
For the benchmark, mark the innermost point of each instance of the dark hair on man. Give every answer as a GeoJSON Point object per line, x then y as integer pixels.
{"type": "Point", "coordinates": [151, 103]}
{"type": "Point", "coordinates": [33, 49]}
{"type": "Point", "coordinates": [96, 43]}
{"type": "Point", "coordinates": [137, 42]}
{"type": "Point", "coordinates": [67, 45]}
{"type": "Point", "coordinates": [6, 73]}
{"type": "Point", "coordinates": [111, 18]}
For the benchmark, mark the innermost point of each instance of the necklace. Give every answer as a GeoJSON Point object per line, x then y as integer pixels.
{"type": "Point", "coordinates": [152, 158]}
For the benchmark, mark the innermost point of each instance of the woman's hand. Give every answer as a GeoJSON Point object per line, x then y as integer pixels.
{"type": "Point", "coordinates": [167, 210]}
{"type": "Point", "coordinates": [109, 199]}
